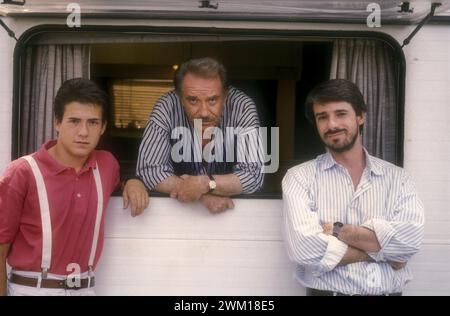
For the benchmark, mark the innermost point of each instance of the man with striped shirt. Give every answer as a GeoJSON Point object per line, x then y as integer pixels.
{"type": "Point", "coordinates": [202, 109]}
{"type": "Point", "coordinates": [351, 222]}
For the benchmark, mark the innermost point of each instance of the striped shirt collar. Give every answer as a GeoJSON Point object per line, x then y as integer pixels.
{"type": "Point", "coordinates": [326, 161]}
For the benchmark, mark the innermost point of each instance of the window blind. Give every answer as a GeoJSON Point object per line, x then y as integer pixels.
{"type": "Point", "coordinates": [133, 101]}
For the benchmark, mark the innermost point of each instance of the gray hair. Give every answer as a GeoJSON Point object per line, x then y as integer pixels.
{"type": "Point", "coordinates": [203, 67]}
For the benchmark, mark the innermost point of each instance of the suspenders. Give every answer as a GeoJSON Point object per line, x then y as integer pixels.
{"type": "Point", "coordinates": [46, 222]}
{"type": "Point", "coordinates": [45, 217]}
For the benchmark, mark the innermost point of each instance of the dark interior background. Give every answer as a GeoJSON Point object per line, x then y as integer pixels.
{"type": "Point", "coordinates": [255, 68]}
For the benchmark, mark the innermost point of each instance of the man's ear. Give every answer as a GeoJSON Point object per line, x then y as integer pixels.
{"type": "Point", "coordinates": [361, 118]}
{"type": "Point", "coordinates": [56, 125]}
{"type": "Point", "coordinates": [104, 127]}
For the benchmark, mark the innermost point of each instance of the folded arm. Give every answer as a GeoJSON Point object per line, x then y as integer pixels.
{"type": "Point", "coordinates": [307, 243]}
{"type": "Point", "coordinates": [359, 237]}
{"type": "Point", "coordinates": [399, 237]}
{"type": "Point", "coordinates": [395, 240]}
{"type": "Point", "coordinates": [361, 241]}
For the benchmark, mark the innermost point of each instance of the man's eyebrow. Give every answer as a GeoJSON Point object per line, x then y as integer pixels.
{"type": "Point", "coordinates": [79, 119]}
{"type": "Point", "coordinates": [320, 113]}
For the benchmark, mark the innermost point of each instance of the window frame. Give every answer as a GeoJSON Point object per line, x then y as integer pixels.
{"type": "Point", "coordinates": [20, 49]}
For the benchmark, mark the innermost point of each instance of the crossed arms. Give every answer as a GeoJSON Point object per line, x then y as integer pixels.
{"type": "Point", "coordinates": [360, 241]}
{"type": "Point", "coordinates": [310, 243]}
{"type": "Point", "coordinates": [195, 188]}
{"type": "Point", "coordinates": [156, 169]}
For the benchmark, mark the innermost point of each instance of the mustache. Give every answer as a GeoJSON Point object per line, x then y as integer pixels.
{"type": "Point", "coordinates": [334, 131]}
{"type": "Point", "coordinates": [208, 119]}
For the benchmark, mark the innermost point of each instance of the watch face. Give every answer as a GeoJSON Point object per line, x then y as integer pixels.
{"type": "Point", "coordinates": [336, 228]}
{"type": "Point", "coordinates": [212, 185]}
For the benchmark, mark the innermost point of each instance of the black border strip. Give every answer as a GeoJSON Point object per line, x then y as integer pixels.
{"type": "Point", "coordinates": [19, 54]}
{"type": "Point", "coordinates": [440, 20]}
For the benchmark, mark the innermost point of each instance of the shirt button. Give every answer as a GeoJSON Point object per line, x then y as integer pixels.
{"type": "Point", "coordinates": [78, 195]}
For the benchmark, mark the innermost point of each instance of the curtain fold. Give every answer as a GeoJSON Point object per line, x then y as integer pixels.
{"type": "Point", "coordinates": [370, 65]}
{"type": "Point", "coordinates": [46, 68]}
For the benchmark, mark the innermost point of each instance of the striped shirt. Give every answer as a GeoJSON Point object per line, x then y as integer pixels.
{"type": "Point", "coordinates": [321, 191]}
{"type": "Point", "coordinates": [155, 162]}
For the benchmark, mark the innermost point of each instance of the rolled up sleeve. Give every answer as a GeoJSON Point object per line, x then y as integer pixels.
{"type": "Point", "coordinates": [401, 237]}
{"type": "Point", "coordinates": [250, 177]}
{"type": "Point", "coordinates": [249, 168]}
{"type": "Point", "coordinates": [304, 238]}
{"type": "Point", "coordinates": [250, 154]}
{"type": "Point", "coordinates": [154, 164]}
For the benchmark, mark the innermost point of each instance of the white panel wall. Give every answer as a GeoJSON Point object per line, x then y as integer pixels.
{"type": "Point", "coordinates": [6, 57]}
{"type": "Point", "coordinates": [427, 128]}
{"type": "Point", "coordinates": [176, 249]}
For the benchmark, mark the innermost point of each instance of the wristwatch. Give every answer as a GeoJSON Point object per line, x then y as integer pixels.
{"type": "Point", "coordinates": [337, 226]}
{"type": "Point", "coordinates": [211, 184]}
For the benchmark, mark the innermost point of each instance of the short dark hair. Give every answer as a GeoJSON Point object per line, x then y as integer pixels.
{"type": "Point", "coordinates": [79, 90]}
{"type": "Point", "coordinates": [203, 67]}
{"type": "Point", "coordinates": [334, 90]}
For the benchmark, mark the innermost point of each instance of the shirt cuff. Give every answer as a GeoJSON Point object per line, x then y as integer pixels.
{"type": "Point", "coordinates": [152, 179]}
{"type": "Point", "coordinates": [384, 232]}
{"type": "Point", "coordinates": [249, 182]}
{"type": "Point", "coordinates": [336, 250]}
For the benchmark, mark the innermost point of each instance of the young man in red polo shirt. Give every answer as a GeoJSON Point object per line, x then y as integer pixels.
{"type": "Point", "coordinates": [52, 201]}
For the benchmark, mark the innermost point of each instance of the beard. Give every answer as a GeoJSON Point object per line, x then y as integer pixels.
{"type": "Point", "coordinates": [342, 146]}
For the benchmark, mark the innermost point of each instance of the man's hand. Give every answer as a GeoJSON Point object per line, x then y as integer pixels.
{"type": "Point", "coordinates": [191, 188]}
{"type": "Point", "coordinates": [327, 228]}
{"type": "Point", "coordinates": [357, 236]}
{"type": "Point", "coordinates": [135, 193]}
{"type": "Point", "coordinates": [216, 204]}
{"type": "Point", "coordinates": [354, 255]}
{"type": "Point", "coordinates": [397, 265]}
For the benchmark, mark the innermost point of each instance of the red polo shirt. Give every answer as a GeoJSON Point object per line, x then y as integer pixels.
{"type": "Point", "coordinates": [73, 208]}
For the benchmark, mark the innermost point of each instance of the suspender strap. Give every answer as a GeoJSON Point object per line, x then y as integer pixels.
{"type": "Point", "coordinates": [45, 216]}
{"type": "Point", "coordinates": [46, 222]}
{"type": "Point", "coordinates": [98, 220]}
